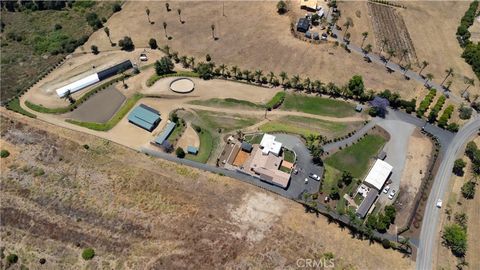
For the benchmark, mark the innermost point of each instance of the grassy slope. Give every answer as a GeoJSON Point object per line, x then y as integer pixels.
{"type": "Point", "coordinates": [23, 62]}
{"type": "Point", "coordinates": [226, 122]}
{"type": "Point", "coordinates": [305, 126]}
{"type": "Point", "coordinates": [355, 158]}
{"type": "Point", "coordinates": [318, 105]}
{"type": "Point", "coordinates": [227, 103]}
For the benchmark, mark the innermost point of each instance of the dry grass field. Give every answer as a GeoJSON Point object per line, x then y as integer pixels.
{"type": "Point", "coordinates": [251, 35]}
{"type": "Point", "coordinates": [143, 213]}
{"type": "Point", "coordinates": [444, 258]}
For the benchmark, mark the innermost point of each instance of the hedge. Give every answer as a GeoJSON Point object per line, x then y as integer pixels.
{"type": "Point", "coordinates": [447, 113]}
{"type": "Point", "coordinates": [426, 102]}
{"type": "Point", "coordinates": [466, 21]}
{"type": "Point", "coordinates": [154, 78]}
{"type": "Point", "coordinates": [14, 105]}
{"type": "Point", "coordinates": [276, 101]}
{"type": "Point", "coordinates": [71, 107]}
{"type": "Point", "coordinates": [436, 109]}
{"type": "Point", "coordinates": [114, 120]}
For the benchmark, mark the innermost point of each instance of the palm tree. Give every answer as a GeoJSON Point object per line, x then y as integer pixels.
{"type": "Point", "coordinates": [391, 53]}
{"type": "Point", "coordinates": [165, 28]}
{"type": "Point", "coordinates": [365, 35]}
{"type": "Point", "coordinates": [247, 73]}
{"type": "Point", "coordinates": [148, 14]}
{"type": "Point", "coordinates": [367, 49]}
{"type": "Point", "coordinates": [407, 67]}
{"type": "Point", "coordinates": [222, 67]}
{"type": "Point", "coordinates": [295, 80]}
{"type": "Point", "coordinates": [424, 65]}
{"type": "Point", "coordinates": [283, 76]}
{"type": "Point", "coordinates": [167, 5]}
{"type": "Point", "coordinates": [317, 85]}
{"type": "Point", "coordinates": [404, 53]}
{"type": "Point", "coordinates": [348, 24]}
{"type": "Point", "coordinates": [271, 76]}
{"type": "Point", "coordinates": [258, 74]}
{"type": "Point", "coordinates": [166, 49]}
{"type": "Point", "coordinates": [429, 78]}
{"type": "Point", "coordinates": [191, 60]}
{"type": "Point", "coordinates": [184, 61]}
{"type": "Point", "coordinates": [235, 71]}
{"type": "Point", "coordinates": [307, 83]}
{"type": "Point", "coordinates": [383, 42]}
{"type": "Point", "coordinates": [107, 31]}
{"type": "Point", "coordinates": [213, 30]}
{"type": "Point", "coordinates": [469, 82]}
{"type": "Point", "coordinates": [449, 72]}
{"type": "Point", "coordinates": [179, 11]}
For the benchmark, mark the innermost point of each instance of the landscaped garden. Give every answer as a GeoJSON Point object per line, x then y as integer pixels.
{"type": "Point", "coordinates": [318, 105]}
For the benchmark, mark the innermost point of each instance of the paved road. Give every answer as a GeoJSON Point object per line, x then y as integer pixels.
{"type": "Point", "coordinates": [390, 65]}
{"type": "Point", "coordinates": [428, 235]}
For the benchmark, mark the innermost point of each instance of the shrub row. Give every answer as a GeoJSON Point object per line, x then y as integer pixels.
{"type": "Point", "coordinates": [71, 107]}
{"type": "Point", "coordinates": [14, 105]}
{"type": "Point", "coordinates": [463, 35]}
{"type": "Point", "coordinates": [276, 101]}
{"type": "Point", "coordinates": [447, 113]}
{"type": "Point", "coordinates": [436, 109]}
{"type": "Point", "coordinates": [114, 120]}
{"type": "Point", "coordinates": [393, 4]}
{"type": "Point", "coordinates": [422, 108]}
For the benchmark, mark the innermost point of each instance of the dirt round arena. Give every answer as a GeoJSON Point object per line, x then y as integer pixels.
{"type": "Point", "coordinates": [182, 85]}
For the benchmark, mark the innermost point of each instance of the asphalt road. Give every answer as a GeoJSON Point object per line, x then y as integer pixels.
{"type": "Point", "coordinates": [428, 235]}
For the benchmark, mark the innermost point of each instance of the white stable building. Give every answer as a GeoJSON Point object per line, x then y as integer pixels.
{"type": "Point", "coordinates": [378, 174]}
{"type": "Point", "coordinates": [269, 145]}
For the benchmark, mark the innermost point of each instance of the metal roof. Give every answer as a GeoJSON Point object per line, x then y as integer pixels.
{"type": "Point", "coordinates": [165, 133]}
{"type": "Point", "coordinates": [143, 117]}
{"type": "Point", "coordinates": [192, 150]}
{"type": "Point", "coordinates": [367, 203]}
{"type": "Point", "coordinates": [378, 174]}
{"type": "Point", "coordinates": [78, 85]}
{"type": "Point", "coordinates": [247, 147]}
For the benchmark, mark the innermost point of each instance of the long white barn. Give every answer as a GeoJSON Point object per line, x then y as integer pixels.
{"type": "Point", "coordinates": [78, 85]}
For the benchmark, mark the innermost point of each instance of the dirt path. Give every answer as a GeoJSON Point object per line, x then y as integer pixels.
{"type": "Point", "coordinates": [189, 138]}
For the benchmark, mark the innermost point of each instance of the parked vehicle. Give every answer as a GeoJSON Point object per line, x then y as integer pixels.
{"type": "Point", "coordinates": [143, 57]}
{"type": "Point", "coordinates": [324, 36]}
{"type": "Point", "coordinates": [306, 181]}
{"type": "Point", "coordinates": [392, 194]}
{"type": "Point", "coordinates": [386, 189]}
{"type": "Point", "coordinates": [314, 176]}
{"type": "Point", "coordinates": [439, 203]}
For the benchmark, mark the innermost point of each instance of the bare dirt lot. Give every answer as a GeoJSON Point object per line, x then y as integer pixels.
{"type": "Point", "coordinates": [189, 138]}
{"type": "Point", "coordinates": [143, 213]}
{"type": "Point", "coordinates": [264, 41]}
{"type": "Point", "coordinates": [419, 155]}
{"type": "Point", "coordinates": [100, 108]}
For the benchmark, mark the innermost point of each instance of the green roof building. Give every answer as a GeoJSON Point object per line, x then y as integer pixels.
{"type": "Point", "coordinates": [144, 117]}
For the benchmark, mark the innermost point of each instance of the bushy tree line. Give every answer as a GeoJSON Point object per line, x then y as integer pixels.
{"type": "Point", "coordinates": [447, 113]}
{"type": "Point", "coordinates": [381, 222]}
{"type": "Point", "coordinates": [471, 54]}
{"type": "Point", "coordinates": [13, 6]}
{"type": "Point", "coordinates": [432, 116]}
{"type": "Point", "coordinates": [463, 35]}
{"type": "Point", "coordinates": [473, 153]}
{"type": "Point", "coordinates": [422, 108]}
{"type": "Point", "coordinates": [455, 237]}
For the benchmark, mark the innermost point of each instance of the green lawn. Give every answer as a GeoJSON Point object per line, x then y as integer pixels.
{"type": "Point", "coordinates": [305, 126]}
{"type": "Point", "coordinates": [254, 139]}
{"type": "Point", "coordinates": [14, 105]}
{"type": "Point", "coordinates": [227, 103]}
{"type": "Point", "coordinates": [356, 158]}
{"type": "Point", "coordinates": [318, 105]}
{"type": "Point", "coordinates": [330, 178]}
{"type": "Point", "coordinates": [177, 131]}
{"type": "Point", "coordinates": [285, 169]}
{"type": "Point", "coordinates": [206, 147]}
{"type": "Point", "coordinates": [127, 106]}
{"type": "Point", "coordinates": [226, 122]}
{"type": "Point", "coordinates": [288, 155]}
{"type": "Point", "coordinates": [276, 100]}
{"type": "Point", "coordinates": [358, 199]}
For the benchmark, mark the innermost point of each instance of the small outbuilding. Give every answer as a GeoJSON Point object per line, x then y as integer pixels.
{"type": "Point", "coordinates": [359, 108]}
{"type": "Point", "coordinates": [165, 133]}
{"type": "Point", "coordinates": [247, 147]}
{"type": "Point", "coordinates": [316, 36]}
{"type": "Point", "coordinates": [308, 34]}
{"type": "Point", "coordinates": [144, 117]}
{"type": "Point", "coordinates": [192, 150]}
{"type": "Point", "coordinates": [303, 25]}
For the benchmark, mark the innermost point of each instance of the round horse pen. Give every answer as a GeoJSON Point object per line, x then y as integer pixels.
{"type": "Point", "coordinates": [182, 85]}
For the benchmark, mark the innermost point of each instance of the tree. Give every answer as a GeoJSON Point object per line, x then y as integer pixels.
{"type": "Point", "coordinates": [295, 80]}
{"type": "Point", "coordinates": [258, 74]}
{"type": "Point", "coordinates": [307, 83]}
{"type": "Point", "coordinates": [165, 28]}
{"type": "Point", "coordinates": [367, 49]}
{"type": "Point", "coordinates": [205, 70]}
{"type": "Point", "coordinates": [404, 52]}
{"type": "Point", "coordinates": [246, 74]}
{"type": "Point", "coordinates": [365, 35]}
{"type": "Point", "coordinates": [455, 237]}
{"type": "Point", "coordinates": [461, 219]}
{"type": "Point", "coordinates": [223, 67]}
{"type": "Point", "coordinates": [167, 5]}
{"type": "Point", "coordinates": [235, 70]}
{"type": "Point", "coordinates": [271, 76]}
{"type": "Point", "coordinates": [107, 32]}
{"type": "Point", "coordinates": [93, 20]}
{"type": "Point", "coordinates": [213, 30]}
{"type": "Point", "coordinates": [126, 44]}
{"type": "Point", "coordinates": [4, 153]}
{"type": "Point", "coordinates": [179, 11]}
{"type": "Point", "coordinates": [94, 49]}
{"type": "Point", "coordinates": [148, 14]}
{"type": "Point", "coordinates": [153, 43]}
{"type": "Point", "coordinates": [391, 53]}
{"type": "Point", "coordinates": [88, 254]}
{"type": "Point", "coordinates": [469, 82]}
{"type": "Point", "coordinates": [281, 7]}
{"type": "Point", "coordinates": [208, 57]}
{"type": "Point", "coordinates": [116, 7]}
{"type": "Point", "coordinates": [458, 167]}
{"type": "Point", "coordinates": [347, 178]}
{"type": "Point", "coordinates": [348, 23]}
{"type": "Point", "coordinates": [12, 258]}
{"type": "Point", "coordinates": [179, 152]}
{"type": "Point", "coordinates": [453, 127]}
{"type": "Point", "coordinates": [283, 75]}
{"type": "Point", "coordinates": [356, 86]}
{"type": "Point", "coordinates": [449, 72]}
{"type": "Point", "coordinates": [164, 66]}
{"type": "Point", "coordinates": [429, 78]}
{"type": "Point", "coordinates": [379, 106]}
{"type": "Point", "coordinates": [191, 60]}
{"type": "Point", "coordinates": [383, 43]}
{"type": "Point", "coordinates": [424, 65]}
{"type": "Point", "coordinates": [468, 190]}
{"type": "Point", "coordinates": [465, 112]}
{"type": "Point", "coordinates": [390, 213]}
